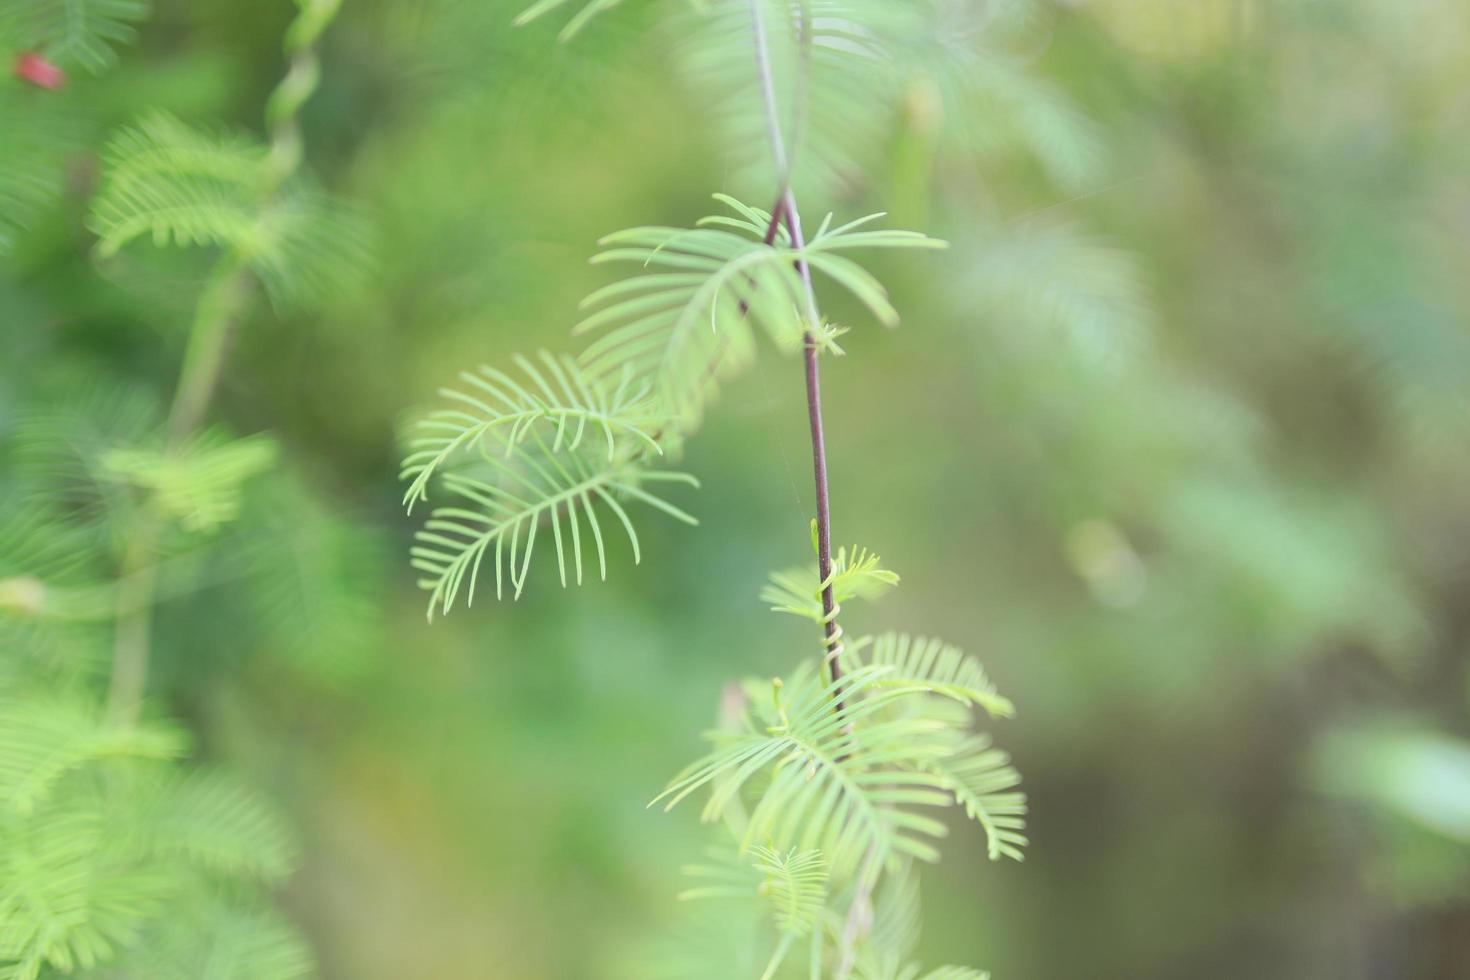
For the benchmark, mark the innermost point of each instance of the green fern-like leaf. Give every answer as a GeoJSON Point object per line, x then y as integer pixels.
{"type": "Point", "coordinates": [43, 739]}
{"type": "Point", "coordinates": [983, 781]}
{"type": "Point", "coordinates": [167, 181]}
{"type": "Point", "coordinates": [70, 898]}
{"type": "Point", "coordinates": [795, 885]}
{"type": "Point", "coordinates": [318, 247]}
{"type": "Point", "coordinates": [856, 574]}
{"type": "Point", "coordinates": [498, 413]}
{"type": "Point", "coordinates": [865, 64]}
{"type": "Point", "coordinates": [688, 322]}
{"type": "Point", "coordinates": [933, 665]}
{"type": "Point", "coordinates": [213, 822]}
{"type": "Point", "coordinates": [200, 484]}
{"type": "Point", "coordinates": [836, 114]}
{"type": "Point", "coordinates": [833, 781]}
{"type": "Point", "coordinates": [536, 485]}
{"type": "Point", "coordinates": [691, 320]}
{"type": "Point", "coordinates": [174, 184]}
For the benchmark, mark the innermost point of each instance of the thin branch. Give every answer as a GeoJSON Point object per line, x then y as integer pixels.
{"type": "Point", "coordinates": [215, 319]}
{"type": "Point", "coordinates": [786, 209]}
{"type": "Point", "coordinates": [859, 918]}
{"type": "Point", "coordinates": [811, 352]}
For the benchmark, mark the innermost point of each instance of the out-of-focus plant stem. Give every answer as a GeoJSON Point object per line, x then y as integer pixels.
{"type": "Point", "coordinates": [215, 318]}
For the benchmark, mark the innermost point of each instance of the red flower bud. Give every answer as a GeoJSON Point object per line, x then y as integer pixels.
{"type": "Point", "coordinates": [31, 67]}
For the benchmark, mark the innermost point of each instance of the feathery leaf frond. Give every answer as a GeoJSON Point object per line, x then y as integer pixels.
{"type": "Point", "coordinates": [835, 112]}
{"type": "Point", "coordinates": [200, 483]}
{"type": "Point", "coordinates": [933, 665]}
{"type": "Point", "coordinates": [535, 485]}
{"type": "Point", "coordinates": [497, 406]}
{"type": "Point", "coordinates": [69, 895]}
{"type": "Point", "coordinates": [947, 70]}
{"type": "Point", "coordinates": [795, 883]}
{"type": "Point", "coordinates": [172, 183]}
{"type": "Point", "coordinates": [856, 574]}
{"type": "Point", "coordinates": [983, 782]}
{"type": "Point", "coordinates": [830, 781]}
{"type": "Point", "coordinates": [43, 739]}
{"type": "Point", "coordinates": [690, 321]}
{"type": "Point", "coordinates": [215, 823]}
{"type": "Point", "coordinates": [317, 246]}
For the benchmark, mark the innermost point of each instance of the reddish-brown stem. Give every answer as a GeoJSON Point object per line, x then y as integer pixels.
{"type": "Point", "coordinates": [786, 210]}
{"type": "Point", "coordinates": [811, 350]}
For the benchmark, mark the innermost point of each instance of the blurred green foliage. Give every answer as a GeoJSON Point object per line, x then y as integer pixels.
{"type": "Point", "coordinates": [1172, 437]}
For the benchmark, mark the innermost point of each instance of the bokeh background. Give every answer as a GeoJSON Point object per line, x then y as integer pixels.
{"type": "Point", "coordinates": [1173, 438]}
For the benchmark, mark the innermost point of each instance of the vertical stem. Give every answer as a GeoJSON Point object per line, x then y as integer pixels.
{"type": "Point", "coordinates": [859, 917]}
{"type": "Point", "coordinates": [134, 615]}
{"type": "Point", "coordinates": [209, 341]}
{"type": "Point", "coordinates": [811, 349]}
{"type": "Point", "coordinates": [215, 318]}
{"type": "Point", "coordinates": [832, 632]}
{"type": "Point", "coordinates": [811, 353]}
